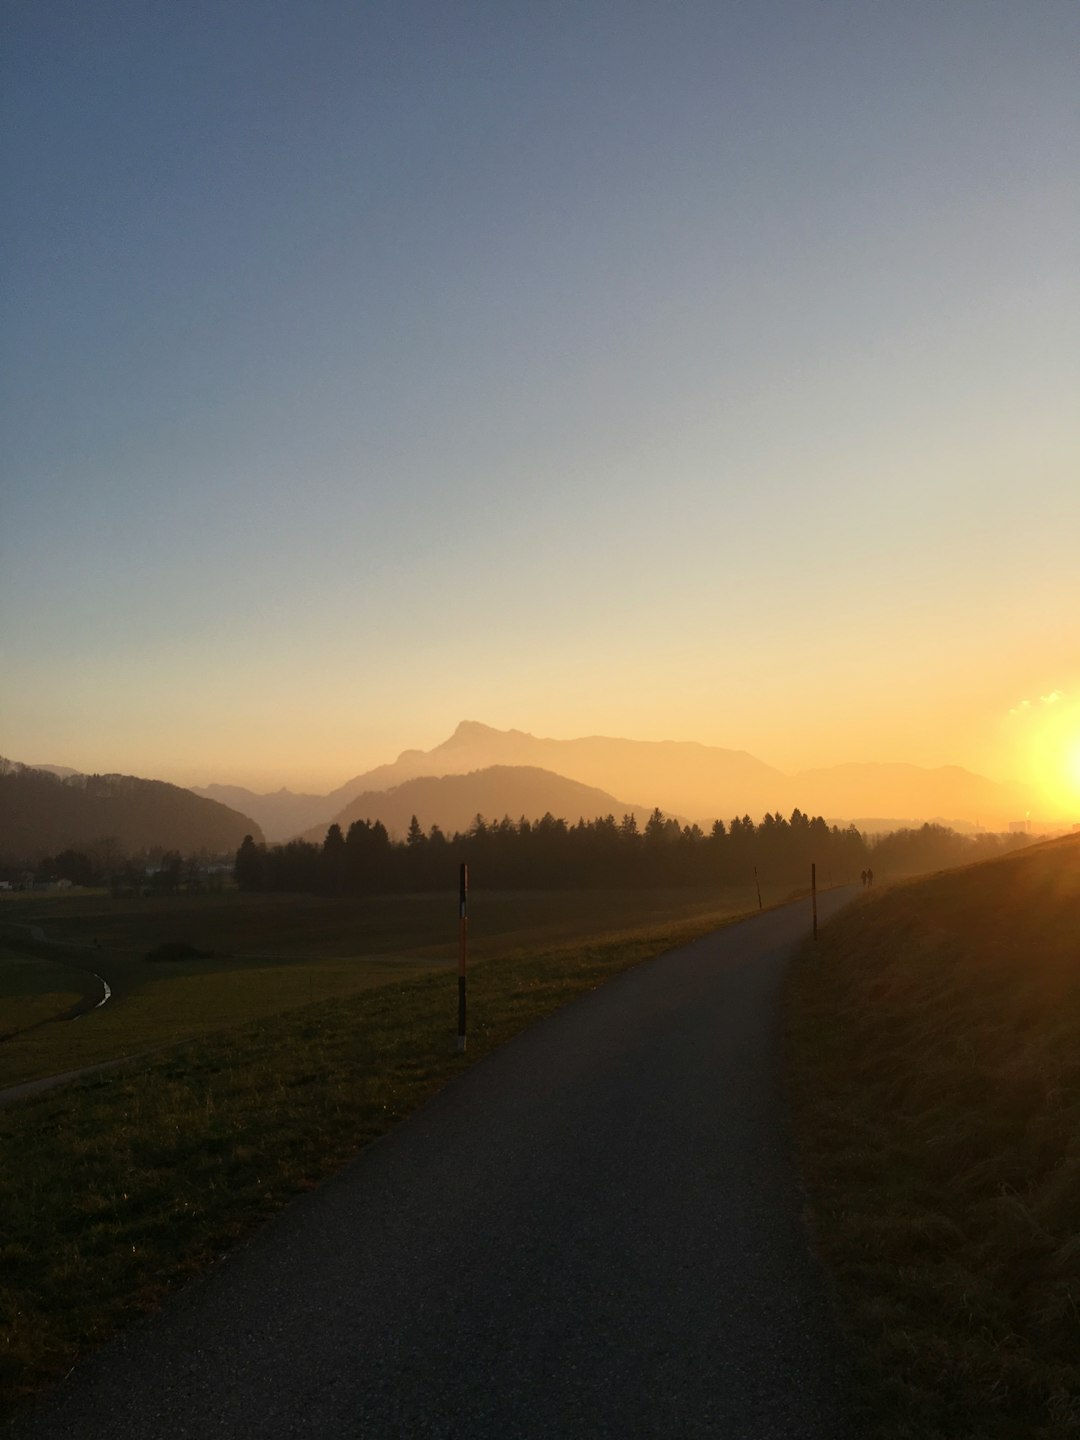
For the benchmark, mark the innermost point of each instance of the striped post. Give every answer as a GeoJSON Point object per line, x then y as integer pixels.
{"type": "Point", "coordinates": [463, 911]}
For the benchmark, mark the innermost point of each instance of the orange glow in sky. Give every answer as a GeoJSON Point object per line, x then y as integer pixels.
{"type": "Point", "coordinates": [706, 375]}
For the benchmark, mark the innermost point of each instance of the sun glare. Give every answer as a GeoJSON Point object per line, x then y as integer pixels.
{"type": "Point", "coordinates": [1072, 766]}
{"type": "Point", "coordinates": [1050, 740]}
{"type": "Point", "coordinates": [1059, 763]}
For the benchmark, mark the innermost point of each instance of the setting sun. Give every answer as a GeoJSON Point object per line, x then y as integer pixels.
{"type": "Point", "coordinates": [1051, 737]}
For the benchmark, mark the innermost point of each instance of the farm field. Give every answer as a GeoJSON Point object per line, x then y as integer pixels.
{"type": "Point", "coordinates": [33, 989]}
{"type": "Point", "coordinates": [266, 955]}
{"type": "Point", "coordinates": [934, 1066]}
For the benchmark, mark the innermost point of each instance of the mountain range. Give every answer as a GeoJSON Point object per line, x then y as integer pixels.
{"type": "Point", "coordinates": [480, 770]}
{"type": "Point", "coordinates": [702, 782]}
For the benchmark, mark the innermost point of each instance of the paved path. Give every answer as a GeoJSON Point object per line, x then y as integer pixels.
{"type": "Point", "coordinates": [593, 1233]}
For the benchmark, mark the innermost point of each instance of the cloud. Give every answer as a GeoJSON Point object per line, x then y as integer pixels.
{"type": "Point", "coordinates": [1025, 706]}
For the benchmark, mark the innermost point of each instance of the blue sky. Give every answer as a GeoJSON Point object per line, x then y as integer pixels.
{"type": "Point", "coordinates": [670, 370]}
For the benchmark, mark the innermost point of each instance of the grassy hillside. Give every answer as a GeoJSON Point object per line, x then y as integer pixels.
{"type": "Point", "coordinates": [935, 1075]}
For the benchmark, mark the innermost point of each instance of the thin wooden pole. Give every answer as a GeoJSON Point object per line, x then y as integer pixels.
{"type": "Point", "coordinates": [813, 895]}
{"type": "Point", "coordinates": [463, 912]}
{"type": "Point", "coordinates": [757, 882]}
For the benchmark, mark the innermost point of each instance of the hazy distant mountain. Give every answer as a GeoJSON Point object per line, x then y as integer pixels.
{"type": "Point", "coordinates": [704, 782]}
{"type": "Point", "coordinates": [453, 801]}
{"type": "Point", "coordinates": [281, 814]}
{"type": "Point", "coordinates": [680, 776]}
{"type": "Point", "coordinates": [42, 814]}
{"type": "Point", "coordinates": [707, 782]}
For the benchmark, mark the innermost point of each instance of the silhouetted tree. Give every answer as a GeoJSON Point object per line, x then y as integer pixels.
{"type": "Point", "coordinates": [167, 877]}
{"type": "Point", "coordinates": [250, 867]}
{"type": "Point", "coordinates": [334, 860]}
{"type": "Point", "coordinates": [71, 865]}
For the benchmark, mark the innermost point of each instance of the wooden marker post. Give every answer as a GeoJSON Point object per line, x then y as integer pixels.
{"type": "Point", "coordinates": [813, 895]}
{"type": "Point", "coordinates": [757, 882]}
{"type": "Point", "coordinates": [463, 911]}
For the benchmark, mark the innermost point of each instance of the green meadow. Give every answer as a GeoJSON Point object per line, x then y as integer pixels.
{"type": "Point", "coordinates": [934, 1060]}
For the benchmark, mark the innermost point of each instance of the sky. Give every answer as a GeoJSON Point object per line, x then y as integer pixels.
{"type": "Point", "coordinates": [670, 370]}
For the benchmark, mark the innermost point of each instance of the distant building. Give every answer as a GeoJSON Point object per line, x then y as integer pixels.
{"type": "Point", "coordinates": [1019, 827]}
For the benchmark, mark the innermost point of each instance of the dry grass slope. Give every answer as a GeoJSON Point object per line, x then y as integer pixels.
{"type": "Point", "coordinates": [935, 1062]}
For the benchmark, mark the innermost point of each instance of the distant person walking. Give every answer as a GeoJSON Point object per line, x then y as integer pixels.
{"type": "Point", "coordinates": [870, 877]}
{"type": "Point", "coordinates": [862, 877]}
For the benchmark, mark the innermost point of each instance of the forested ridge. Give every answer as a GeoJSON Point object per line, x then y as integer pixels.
{"type": "Point", "coordinates": [42, 814]}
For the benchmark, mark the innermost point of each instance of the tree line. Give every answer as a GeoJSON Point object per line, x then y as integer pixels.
{"type": "Point", "coordinates": [552, 854]}
{"type": "Point", "coordinates": [105, 865]}
{"type": "Point", "coordinates": [546, 853]}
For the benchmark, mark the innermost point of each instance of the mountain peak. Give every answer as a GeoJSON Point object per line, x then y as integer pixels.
{"type": "Point", "coordinates": [469, 732]}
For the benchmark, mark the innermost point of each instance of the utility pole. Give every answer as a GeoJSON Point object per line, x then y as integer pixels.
{"type": "Point", "coordinates": [463, 913]}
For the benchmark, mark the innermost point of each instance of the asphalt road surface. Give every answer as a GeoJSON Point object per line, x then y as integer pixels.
{"type": "Point", "coordinates": [595, 1232]}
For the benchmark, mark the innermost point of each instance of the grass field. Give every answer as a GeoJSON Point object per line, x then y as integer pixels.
{"type": "Point", "coordinates": [32, 989]}
{"type": "Point", "coordinates": [115, 1190]}
{"type": "Point", "coordinates": [269, 954]}
{"type": "Point", "coordinates": [935, 1066]}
